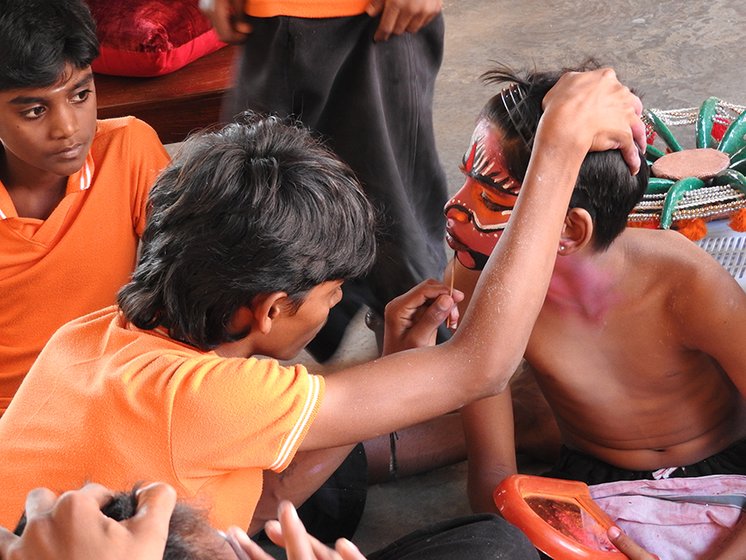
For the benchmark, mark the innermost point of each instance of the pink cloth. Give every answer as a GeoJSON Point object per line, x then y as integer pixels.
{"type": "Point", "coordinates": [675, 518]}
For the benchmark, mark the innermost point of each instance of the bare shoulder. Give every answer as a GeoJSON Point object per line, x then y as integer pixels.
{"type": "Point", "coordinates": [676, 259]}
{"type": "Point", "coordinates": [696, 285]}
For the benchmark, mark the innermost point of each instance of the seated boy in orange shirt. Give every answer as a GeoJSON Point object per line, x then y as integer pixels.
{"type": "Point", "coordinates": [638, 347]}
{"type": "Point", "coordinates": [72, 189]}
{"type": "Point", "coordinates": [250, 233]}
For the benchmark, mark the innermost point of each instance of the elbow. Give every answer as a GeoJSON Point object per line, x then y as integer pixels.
{"type": "Point", "coordinates": [489, 369]}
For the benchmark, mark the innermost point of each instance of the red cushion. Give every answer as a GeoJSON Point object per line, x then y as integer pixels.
{"type": "Point", "coordinates": [150, 37]}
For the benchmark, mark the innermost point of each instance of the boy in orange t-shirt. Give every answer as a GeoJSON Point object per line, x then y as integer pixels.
{"type": "Point", "coordinates": [72, 189]}
{"type": "Point", "coordinates": [250, 234]}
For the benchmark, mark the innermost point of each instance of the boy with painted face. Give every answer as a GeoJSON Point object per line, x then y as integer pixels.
{"type": "Point", "coordinates": [638, 347]}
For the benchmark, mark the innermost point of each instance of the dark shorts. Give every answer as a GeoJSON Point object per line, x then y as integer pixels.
{"type": "Point", "coordinates": [574, 465]}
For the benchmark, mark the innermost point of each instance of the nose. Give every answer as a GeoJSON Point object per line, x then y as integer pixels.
{"type": "Point", "coordinates": [457, 214]}
{"type": "Point", "coordinates": [65, 122]}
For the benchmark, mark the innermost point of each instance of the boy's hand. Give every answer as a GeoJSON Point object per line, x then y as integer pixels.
{"type": "Point", "coordinates": [400, 16]}
{"type": "Point", "coordinates": [72, 526]}
{"type": "Point", "coordinates": [627, 546]}
{"type": "Point", "coordinates": [228, 18]}
{"type": "Point", "coordinates": [412, 319]}
{"type": "Point", "coordinates": [593, 109]}
{"type": "Point", "coordinates": [289, 533]}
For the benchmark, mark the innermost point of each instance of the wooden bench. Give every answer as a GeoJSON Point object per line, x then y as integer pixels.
{"type": "Point", "coordinates": [174, 104]}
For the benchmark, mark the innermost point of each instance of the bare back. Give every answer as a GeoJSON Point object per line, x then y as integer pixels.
{"type": "Point", "coordinates": [644, 373]}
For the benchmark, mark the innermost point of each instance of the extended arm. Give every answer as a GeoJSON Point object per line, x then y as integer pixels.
{"type": "Point", "coordinates": [587, 111]}
{"type": "Point", "coordinates": [487, 423]}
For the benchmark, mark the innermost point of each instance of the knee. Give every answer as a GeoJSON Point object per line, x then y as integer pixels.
{"type": "Point", "coordinates": [502, 537]}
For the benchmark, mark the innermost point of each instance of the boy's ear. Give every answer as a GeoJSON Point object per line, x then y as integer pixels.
{"type": "Point", "coordinates": [577, 231]}
{"type": "Point", "coordinates": [264, 309]}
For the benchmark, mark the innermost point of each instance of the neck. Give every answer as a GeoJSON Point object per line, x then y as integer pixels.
{"type": "Point", "coordinates": [238, 349]}
{"type": "Point", "coordinates": [583, 284]}
{"type": "Point", "coordinates": [35, 194]}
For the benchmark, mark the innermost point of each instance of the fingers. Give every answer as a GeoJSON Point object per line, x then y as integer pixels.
{"type": "Point", "coordinates": [598, 112]}
{"type": "Point", "coordinates": [39, 501]}
{"type": "Point", "coordinates": [433, 316]}
{"type": "Point", "coordinates": [244, 547]}
{"type": "Point", "coordinates": [400, 16]}
{"type": "Point", "coordinates": [155, 504]}
{"type": "Point", "coordinates": [391, 23]}
{"type": "Point", "coordinates": [412, 320]}
{"type": "Point", "coordinates": [7, 540]}
{"type": "Point", "coordinates": [227, 17]}
{"type": "Point", "coordinates": [627, 546]}
{"type": "Point", "coordinates": [348, 551]}
{"type": "Point", "coordinates": [297, 543]}
{"type": "Point", "coordinates": [374, 7]}
{"type": "Point", "coordinates": [422, 293]}
{"type": "Point", "coordinates": [289, 533]}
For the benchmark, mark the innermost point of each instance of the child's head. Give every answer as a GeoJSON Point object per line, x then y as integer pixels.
{"type": "Point", "coordinates": [47, 104]}
{"type": "Point", "coordinates": [40, 38]}
{"type": "Point", "coordinates": [254, 208]}
{"type": "Point", "coordinates": [496, 163]}
{"type": "Point", "coordinates": [190, 536]}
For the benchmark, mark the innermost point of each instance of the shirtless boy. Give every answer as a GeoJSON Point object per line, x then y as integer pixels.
{"type": "Point", "coordinates": [638, 347]}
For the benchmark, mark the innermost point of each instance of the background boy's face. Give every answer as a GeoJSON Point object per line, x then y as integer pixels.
{"type": "Point", "coordinates": [478, 213]}
{"type": "Point", "coordinates": [292, 331]}
{"type": "Point", "coordinates": [48, 130]}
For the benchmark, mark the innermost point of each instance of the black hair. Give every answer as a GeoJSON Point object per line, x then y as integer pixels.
{"type": "Point", "coordinates": [605, 187]}
{"type": "Point", "coordinates": [186, 528]}
{"type": "Point", "coordinates": [39, 37]}
{"type": "Point", "coordinates": [256, 207]}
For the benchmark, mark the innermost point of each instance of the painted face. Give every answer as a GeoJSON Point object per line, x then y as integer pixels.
{"type": "Point", "coordinates": [477, 215]}
{"type": "Point", "coordinates": [46, 132]}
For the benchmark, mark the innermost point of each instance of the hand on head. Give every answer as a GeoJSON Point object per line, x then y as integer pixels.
{"type": "Point", "coordinates": [72, 526]}
{"type": "Point", "coordinates": [289, 533]}
{"type": "Point", "coordinates": [412, 319]}
{"type": "Point", "coordinates": [596, 110]}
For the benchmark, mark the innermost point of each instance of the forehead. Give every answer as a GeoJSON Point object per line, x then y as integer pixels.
{"type": "Point", "coordinates": [69, 79]}
{"type": "Point", "coordinates": [485, 153]}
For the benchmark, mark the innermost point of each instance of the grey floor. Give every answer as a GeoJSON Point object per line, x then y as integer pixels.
{"type": "Point", "coordinates": [676, 53]}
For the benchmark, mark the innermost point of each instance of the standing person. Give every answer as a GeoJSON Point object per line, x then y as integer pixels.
{"type": "Point", "coordinates": [250, 234]}
{"type": "Point", "coordinates": [72, 189]}
{"type": "Point", "coordinates": [361, 74]}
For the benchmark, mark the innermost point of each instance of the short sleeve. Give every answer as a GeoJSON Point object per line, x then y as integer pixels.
{"type": "Point", "coordinates": [229, 414]}
{"type": "Point", "coordinates": [148, 158]}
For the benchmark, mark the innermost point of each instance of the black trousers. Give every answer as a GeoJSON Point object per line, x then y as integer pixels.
{"type": "Point", "coordinates": [482, 536]}
{"type": "Point", "coordinates": [372, 103]}
{"type": "Point", "coordinates": [574, 465]}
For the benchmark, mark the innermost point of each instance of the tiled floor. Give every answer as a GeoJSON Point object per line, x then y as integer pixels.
{"type": "Point", "coordinates": [673, 52]}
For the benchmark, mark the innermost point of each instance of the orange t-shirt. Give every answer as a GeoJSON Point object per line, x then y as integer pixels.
{"type": "Point", "coordinates": [110, 403]}
{"type": "Point", "coordinates": [75, 261]}
{"type": "Point", "coordinates": [306, 8]}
